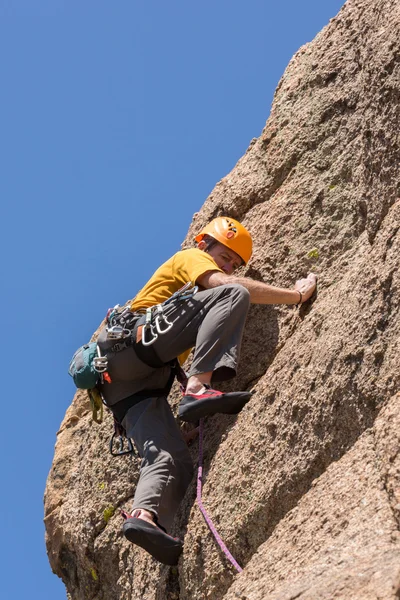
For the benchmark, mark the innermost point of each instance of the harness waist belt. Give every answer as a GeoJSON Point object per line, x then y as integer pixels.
{"type": "Point", "coordinates": [120, 409]}
{"type": "Point", "coordinates": [147, 354]}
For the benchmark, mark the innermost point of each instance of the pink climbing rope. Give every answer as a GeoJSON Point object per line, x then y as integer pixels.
{"type": "Point", "coordinates": [203, 510]}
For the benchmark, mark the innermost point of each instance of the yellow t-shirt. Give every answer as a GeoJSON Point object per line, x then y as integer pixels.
{"type": "Point", "coordinates": [184, 266]}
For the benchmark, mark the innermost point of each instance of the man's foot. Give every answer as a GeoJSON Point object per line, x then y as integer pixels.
{"type": "Point", "coordinates": [196, 406]}
{"type": "Point", "coordinates": [142, 531]}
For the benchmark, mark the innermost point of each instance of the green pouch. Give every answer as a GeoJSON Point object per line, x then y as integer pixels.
{"type": "Point", "coordinates": [81, 367]}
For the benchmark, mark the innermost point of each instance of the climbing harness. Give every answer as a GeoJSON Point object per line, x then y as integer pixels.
{"type": "Point", "coordinates": [89, 366]}
{"type": "Point", "coordinates": [161, 324]}
{"type": "Point", "coordinates": [122, 326]}
{"type": "Point", "coordinates": [203, 511]}
{"type": "Point", "coordinates": [121, 323]}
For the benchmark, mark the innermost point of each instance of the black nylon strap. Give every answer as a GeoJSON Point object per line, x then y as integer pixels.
{"type": "Point", "coordinates": [120, 409]}
{"type": "Point", "coordinates": [147, 354]}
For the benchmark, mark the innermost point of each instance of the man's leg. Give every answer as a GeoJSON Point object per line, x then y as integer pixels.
{"type": "Point", "coordinates": [166, 468]}
{"type": "Point", "coordinates": [212, 322]}
{"type": "Point", "coordinates": [165, 474]}
{"type": "Point", "coordinates": [216, 318]}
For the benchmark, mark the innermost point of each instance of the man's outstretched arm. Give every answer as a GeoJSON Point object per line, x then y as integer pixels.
{"type": "Point", "coordinates": [262, 293]}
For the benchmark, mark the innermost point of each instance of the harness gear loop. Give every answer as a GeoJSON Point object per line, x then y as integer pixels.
{"type": "Point", "coordinates": [121, 323]}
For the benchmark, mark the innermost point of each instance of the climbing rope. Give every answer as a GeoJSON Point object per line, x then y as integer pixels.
{"type": "Point", "coordinates": [203, 510]}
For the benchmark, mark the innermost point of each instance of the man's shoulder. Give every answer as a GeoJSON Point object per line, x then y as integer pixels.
{"type": "Point", "coordinates": [192, 253]}
{"type": "Point", "coordinates": [194, 262]}
{"type": "Point", "coordinates": [187, 251]}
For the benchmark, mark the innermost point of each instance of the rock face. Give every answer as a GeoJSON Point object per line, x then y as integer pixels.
{"type": "Point", "coordinates": [304, 485]}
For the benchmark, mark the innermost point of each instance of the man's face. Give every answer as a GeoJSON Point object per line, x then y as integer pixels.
{"type": "Point", "coordinates": [226, 259]}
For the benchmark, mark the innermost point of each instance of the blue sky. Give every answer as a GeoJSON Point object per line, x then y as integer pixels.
{"type": "Point", "coordinates": [116, 121]}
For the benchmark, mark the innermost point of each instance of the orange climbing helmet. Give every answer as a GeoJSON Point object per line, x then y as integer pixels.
{"type": "Point", "coordinates": [231, 234]}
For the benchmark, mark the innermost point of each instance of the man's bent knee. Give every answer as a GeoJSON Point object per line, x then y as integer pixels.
{"type": "Point", "coordinates": [239, 290]}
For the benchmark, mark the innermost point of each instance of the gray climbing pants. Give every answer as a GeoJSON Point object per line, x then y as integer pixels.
{"type": "Point", "coordinates": [212, 322]}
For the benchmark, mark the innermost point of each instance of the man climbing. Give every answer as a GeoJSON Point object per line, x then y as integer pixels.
{"type": "Point", "coordinates": [211, 322]}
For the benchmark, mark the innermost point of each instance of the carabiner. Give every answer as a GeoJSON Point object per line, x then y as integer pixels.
{"type": "Point", "coordinates": [111, 314]}
{"type": "Point", "coordinates": [100, 364]}
{"type": "Point", "coordinates": [165, 321]}
{"type": "Point", "coordinates": [117, 332]}
{"type": "Point", "coordinates": [184, 288]}
{"type": "Point", "coordinates": [161, 317]}
{"type": "Point", "coordinates": [121, 451]}
{"type": "Point", "coordinates": [127, 318]}
{"type": "Point", "coordinates": [185, 292]}
{"type": "Point", "coordinates": [185, 295]}
{"type": "Point", "coordinates": [150, 328]}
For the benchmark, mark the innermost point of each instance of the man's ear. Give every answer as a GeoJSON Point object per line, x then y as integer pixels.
{"type": "Point", "coordinates": [202, 245]}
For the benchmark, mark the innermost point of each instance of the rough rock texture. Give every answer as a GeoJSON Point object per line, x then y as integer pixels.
{"type": "Point", "coordinates": [342, 538]}
{"type": "Point", "coordinates": [304, 485]}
